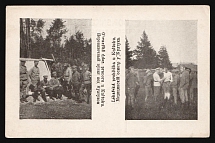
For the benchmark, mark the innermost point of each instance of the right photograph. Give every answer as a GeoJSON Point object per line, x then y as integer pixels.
{"type": "Point", "coordinates": [161, 70]}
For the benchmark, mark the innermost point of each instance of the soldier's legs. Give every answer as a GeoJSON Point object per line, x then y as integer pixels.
{"type": "Point", "coordinates": [131, 97]}
{"type": "Point", "coordinates": [76, 90]}
{"type": "Point", "coordinates": [88, 88]}
{"type": "Point", "coordinates": [174, 90]}
{"type": "Point", "coordinates": [23, 90]}
{"type": "Point", "coordinates": [182, 97]}
{"type": "Point", "coordinates": [50, 93]}
{"type": "Point", "coordinates": [156, 92]}
{"type": "Point", "coordinates": [147, 92]}
{"type": "Point", "coordinates": [191, 94]}
{"type": "Point", "coordinates": [43, 94]}
{"type": "Point", "coordinates": [185, 95]}
{"type": "Point", "coordinates": [58, 91]}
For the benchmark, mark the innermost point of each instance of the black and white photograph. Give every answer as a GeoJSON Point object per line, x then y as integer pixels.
{"type": "Point", "coordinates": [55, 68]}
{"type": "Point", "coordinates": [161, 70]}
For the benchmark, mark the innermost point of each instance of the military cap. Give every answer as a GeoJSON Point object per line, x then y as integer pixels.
{"type": "Point", "coordinates": [22, 60]}
{"type": "Point", "coordinates": [45, 76]}
{"type": "Point", "coordinates": [36, 61]}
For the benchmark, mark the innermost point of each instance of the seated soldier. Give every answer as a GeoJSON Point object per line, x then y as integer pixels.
{"type": "Point", "coordinates": [45, 86]}
{"type": "Point", "coordinates": [55, 89]}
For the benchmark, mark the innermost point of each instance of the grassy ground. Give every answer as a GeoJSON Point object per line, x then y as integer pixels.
{"type": "Point", "coordinates": [150, 110]}
{"type": "Point", "coordinates": [58, 109]}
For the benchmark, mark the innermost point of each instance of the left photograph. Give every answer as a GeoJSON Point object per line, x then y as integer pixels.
{"type": "Point", "coordinates": [55, 68]}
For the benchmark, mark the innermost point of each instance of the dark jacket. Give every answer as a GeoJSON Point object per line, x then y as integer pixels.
{"type": "Point", "coordinates": [184, 79]}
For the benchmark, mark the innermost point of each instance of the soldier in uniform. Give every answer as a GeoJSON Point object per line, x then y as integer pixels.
{"type": "Point", "coordinates": [131, 83]}
{"type": "Point", "coordinates": [55, 89]}
{"type": "Point", "coordinates": [166, 86]}
{"type": "Point", "coordinates": [67, 76]}
{"type": "Point", "coordinates": [175, 85]}
{"type": "Point", "coordinates": [34, 75]}
{"type": "Point", "coordinates": [45, 86]}
{"type": "Point", "coordinates": [157, 83]}
{"type": "Point", "coordinates": [193, 85]}
{"type": "Point", "coordinates": [23, 81]}
{"type": "Point", "coordinates": [148, 84]}
{"type": "Point", "coordinates": [184, 84]}
{"type": "Point", "coordinates": [86, 81]}
{"type": "Point", "coordinates": [76, 82]}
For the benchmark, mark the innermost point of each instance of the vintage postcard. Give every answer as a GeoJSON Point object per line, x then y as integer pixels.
{"type": "Point", "coordinates": [107, 71]}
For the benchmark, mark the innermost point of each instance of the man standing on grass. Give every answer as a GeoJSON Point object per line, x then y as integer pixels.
{"type": "Point", "coordinates": [193, 85]}
{"type": "Point", "coordinates": [67, 76]}
{"type": "Point", "coordinates": [175, 85]}
{"type": "Point", "coordinates": [86, 81]}
{"type": "Point", "coordinates": [35, 87]}
{"type": "Point", "coordinates": [76, 83]}
{"type": "Point", "coordinates": [148, 84]}
{"type": "Point", "coordinates": [166, 86]}
{"type": "Point", "coordinates": [157, 83]}
{"type": "Point", "coordinates": [184, 84]}
{"type": "Point", "coordinates": [131, 83]}
{"type": "Point", "coordinates": [23, 81]}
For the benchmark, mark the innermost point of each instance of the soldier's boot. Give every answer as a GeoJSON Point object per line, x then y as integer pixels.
{"type": "Point", "coordinates": [44, 97]}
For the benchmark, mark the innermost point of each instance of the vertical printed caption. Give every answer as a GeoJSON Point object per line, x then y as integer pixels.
{"type": "Point", "coordinates": [100, 68]}
{"type": "Point", "coordinates": [115, 69]}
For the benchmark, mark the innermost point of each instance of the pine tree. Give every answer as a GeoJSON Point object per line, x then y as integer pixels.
{"type": "Point", "coordinates": [128, 54]}
{"type": "Point", "coordinates": [163, 57]}
{"type": "Point", "coordinates": [144, 53]}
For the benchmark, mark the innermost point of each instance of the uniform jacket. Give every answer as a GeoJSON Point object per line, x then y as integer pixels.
{"type": "Point", "coordinates": [148, 80]}
{"type": "Point", "coordinates": [34, 75]}
{"type": "Point", "coordinates": [184, 79]}
{"type": "Point", "coordinates": [23, 73]}
{"type": "Point", "coordinates": [176, 81]}
{"type": "Point", "coordinates": [54, 82]}
{"type": "Point", "coordinates": [86, 77]}
{"type": "Point", "coordinates": [131, 80]}
{"type": "Point", "coordinates": [43, 83]}
{"type": "Point", "coordinates": [193, 80]}
{"type": "Point", "coordinates": [76, 77]}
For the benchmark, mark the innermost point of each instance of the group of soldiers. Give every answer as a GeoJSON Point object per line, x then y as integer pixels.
{"type": "Point", "coordinates": [65, 80]}
{"type": "Point", "coordinates": [180, 83]}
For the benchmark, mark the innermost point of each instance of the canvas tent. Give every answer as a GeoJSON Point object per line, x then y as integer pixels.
{"type": "Point", "coordinates": [43, 66]}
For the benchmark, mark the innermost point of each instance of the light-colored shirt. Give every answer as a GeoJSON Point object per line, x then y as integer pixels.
{"type": "Point", "coordinates": [168, 76]}
{"type": "Point", "coordinates": [157, 79]}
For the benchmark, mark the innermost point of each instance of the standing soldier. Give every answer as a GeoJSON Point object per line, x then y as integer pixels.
{"type": "Point", "coordinates": [67, 76]}
{"type": "Point", "coordinates": [184, 84]}
{"type": "Point", "coordinates": [23, 81]}
{"type": "Point", "coordinates": [76, 82]}
{"type": "Point", "coordinates": [58, 68]}
{"type": "Point", "coordinates": [148, 84]}
{"type": "Point", "coordinates": [166, 86]}
{"type": "Point", "coordinates": [175, 85]}
{"type": "Point", "coordinates": [131, 83]}
{"type": "Point", "coordinates": [34, 75]}
{"type": "Point", "coordinates": [86, 81]}
{"type": "Point", "coordinates": [157, 83]}
{"type": "Point", "coordinates": [193, 85]}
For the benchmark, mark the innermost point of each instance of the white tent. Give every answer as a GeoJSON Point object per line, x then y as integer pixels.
{"type": "Point", "coordinates": [43, 66]}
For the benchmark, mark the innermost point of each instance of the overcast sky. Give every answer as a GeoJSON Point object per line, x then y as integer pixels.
{"type": "Point", "coordinates": [180, 37]}
{"type": "Point", "coordinates": [72, 25]}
